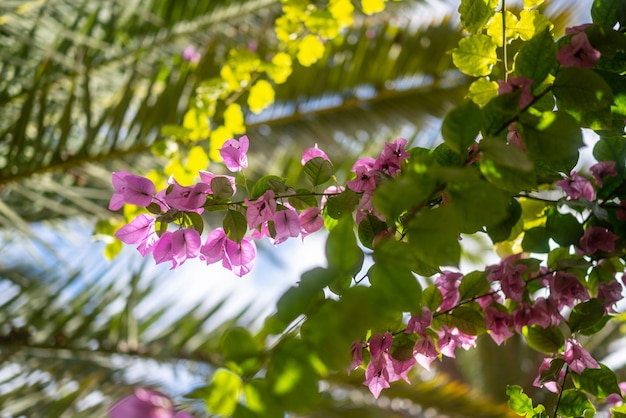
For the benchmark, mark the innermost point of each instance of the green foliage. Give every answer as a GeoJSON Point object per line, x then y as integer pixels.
{"type": "Point", "coordinates": [545, 340]}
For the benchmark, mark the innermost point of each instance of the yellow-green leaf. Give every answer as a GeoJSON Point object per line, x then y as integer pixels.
{"type": "Point", "coordinates": [233, 119]}
{"type": "Point", "coordinates": [342, 10]}
{"type": "Point", "coordinates": [494, 28]}
{"type": "Point", "coordinates": [476, 55]}
{"type": "Point", "coordinates": [279, 69]}
{"type": "Point", "coordinates": [261, 96]}
{"type": "Point", "coordinates": [197, 122]}
{"type": "Point", "coordinates": [530, 23]}
{"type": "Point", "coordinates": [372, 6]}
{"type": "Point", "coordinates": [310, 49]}
{"type": "Point", "coordinates": [197, 159]}
{"type": "Point", "coordinates": [482, 90]}
{"type": "Point", "coordinates": [529, 4]}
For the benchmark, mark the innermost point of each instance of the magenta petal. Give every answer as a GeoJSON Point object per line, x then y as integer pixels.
{"type": "Point", "coordinates": [185, 244]}
{"type": "Point", "coordinates": [137, 230]}
{"type": "Point", "coordinates": [287, 225]}
{"type": "Point", "coordinates": [311, 220]}
{"type": "Point", "coordinates": [117, 201]}
{"type": "Point", "coordinates": [162, 251]}
{"type": "Point", "coordinates": [213, 249]}
{"type": "Point", "coordinates": [310, 153]}
{"type": "Point", "coordinates": [240, 256]}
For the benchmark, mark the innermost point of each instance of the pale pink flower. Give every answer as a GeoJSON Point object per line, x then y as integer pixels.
{"type": "Point", "coordinates": [513, 84]}
{"type": "Point", "coordinates": [418, 323]}
{"type": "Point", "coordinates": [448, 283]}
{"type": "Point", "coordinates": [565, 289]}
{"type": "Point", "coordinates": [425, 352]}
{"type": "Point", "coordinates": [287, 225]}
{"type": "Point", "coordinates": [601, 170]}
{"type": "Point", "coordinates": [597, 238]}
{"type": "Point", "coordinates": [576, 187]}
{"type": "Point", "coordinates": [577, 358]}
{"type": "Point", "coordinates": [186, 198]}
{"type": "Point", "coordinates": [311, 220]}
{"type": "Point", "coordinates": [145, 403]}
{"type": "Point", "coordinates": [498, 323]}
{"type": "Point", "coordinates": [177, 246]}
{"type": "Point", "coordinates": [578, 53]}
{"type": "Point", "coordinates": [552, 386]}
{"type": "Point", "coordinates": [310, 153]}
{"type": "Point", "coordinates": [261, 210]}
{"type": "Point", "coordinates": [132, 189]}
{"type": "Point", "coordinates": [234, 153]}
{"type": "Point", "coordinates": [391, 157]}
{"type": "Point", "coordinates": [191, 55]}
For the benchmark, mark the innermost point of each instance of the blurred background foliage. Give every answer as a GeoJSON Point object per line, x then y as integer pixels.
{"type": "Point", "coordinates": [85, 87]}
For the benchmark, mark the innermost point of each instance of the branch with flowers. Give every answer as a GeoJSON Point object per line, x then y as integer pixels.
{"type": "Point", "coordinates": [506, 151]}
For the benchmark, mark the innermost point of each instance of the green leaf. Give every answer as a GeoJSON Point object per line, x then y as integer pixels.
{"type": "Point", "coordinates": [563, 228]}
{"type": "Point", "coordinates": [476, 204]}
{"type": "Point", "coordinates": [545, 340]}
{"type": "Point", "coordinates": [221, 188]}
{"type": "Point", "coordinates": [499, 113]}
{"type": "Point", "coordinates": [196, 221]}
{"type": "Point", "coordinates": [260, 400]}
{"type": "Point", "coordinates": [482, 90]}
{"type": "Point", "coordinates": [268, 182]}
{"type": "Point", "coordinates": [553, 374]}
{"type": "Point", "coordinates": [394, 197]}
{"type": "Point", "coordinates": [302, 200]}
{"type": "Point", "coordinates": [461, 126]}
{"type": "Point", "coordinates": [223, 393]}
{"type": "Point", "coordinates": [504, 154]}
{"type": "Point", "coordinates": [432, 297]}
{"type": "Point", "coordinates": [369, 227]}
{"type": "Point", "coordinates": [554, 139]}
{"type": "Point", "coordinates": [342, 204]}
{"type": "Point", "coordinates": [342, 251]}
{"type": "Point", "coordinates": [433, 235]}
{"type": "Point", "coordinates": [536, 57]}
{"type": "Point", "coordinates": [238, 345]}
{"type": "Point", "coordinates": [594, 94]}
{"type": "Point", "coordinates": [536, 240]}
{"type": "Point", "coordinates": [476, 55]}
{"type": "Point", "coordinates": [468, 320]}
{"type": "Point", "coordinates": [604, 12]}
{"type": "Point", "coordinates": [476, 13]}
{"type": "Point", "coordinates": [610, 149]}
{"type": "Point", "coordinates": [507, 178]}
{"type": "Point", "coordinates": [520, 403]}
{"type": "Point", "coordinates": [505, 228]}
{"type": "Point", "coordinates": [318, 170]}
{"type": "Point", "coordinates": [391, 275]}
{"type": "Point", "coordinates": [292, 376]}
{"type": "Point", "coordinates": [298, 300]}
{"type": "Point", "coordinates": [235, 225]}
{"type": "Point", "coordinates": [473, 284]}
{"type": "Point", "coordinates": [586, 315]}
{"type": "Point", "coordinates": [575, 403]}
{"type": "Point", "coordinates": [599, 382]}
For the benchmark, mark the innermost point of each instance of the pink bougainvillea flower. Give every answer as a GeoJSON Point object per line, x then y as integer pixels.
{"type": "Point", "coordinates": [418, 323]}
{"type": "Point", "coordinates": [513, 84]}
{"type": "Point", "coordinates": [451, 338]}
{"type": "Point", "coordinates": [576, 29]}
{"type": "Point", "coordinates": [146, 403]}
{"type": "Point", "coordinates": [132, 189]}
{"type": "Point", "coordinates": [376, 379]}
{"type": "Point", "coordinates": [357, 355]}
{"type": "Point", "coordinates": [261, 210]}
{"type": "Point", "coordinates": [390, 159]}
{"type": "Point", "coordinates": [137, 230]}
{"type": "Point", "coordinates": [310, 153]}
{"type": "Point", "coordinates": [576, 187]}
{"type": "Point", "coordinates": [448, 283]}
{"type": "Point", "coordinates": [191, 55]}
{"type": "Point", "coordinates": [287, 225]}
{"type": "Point", "coordinates": [610, 293]}
{"type": "Point", "coordinates": [177, 246]}
{"type": "Point", "coordinates": [365, 179]}
{"type": "Point", "coordinates": [234, 153]}
{"type": "Point", "coordinates": [207, 176]}
{"type": "Point", "coordinates": [239, 256]}
{"type": "Point", "coordinates": [425, 352]}
{"type": "Point", "coordinates": [532, 314]}
{"type": "Point", "coordinates": [186, 198]}
{"type": "Point", "coordinates": [552, 386]}
{"type": "Point", "coordinates": [601, 170]}
{"type": "Point", "coordinates": [399, 369]}
{"type": "Point", "coordinates": [213, 249]}
{"type": "Point", "coordinates": [510, 277]}
{"type": "Point", "coordinates": [577, 358]}
{"type": "Point", "coordinates": [597, 238]}
{"type": "Point", "coordinates": [578, 53]}
{"type": "Point", "coordinates": [565, 289]}
{"type": "Point", "coordinates": [311, 220]}
{"type": "Point", "coordinates": [498, 323]}
{"type": "Point", "coordinates": [377, 372]}
{"type": "Point", "coordinates": [513, 137]}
